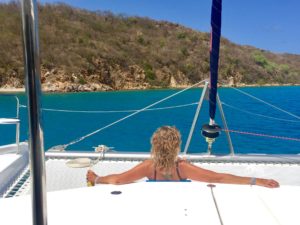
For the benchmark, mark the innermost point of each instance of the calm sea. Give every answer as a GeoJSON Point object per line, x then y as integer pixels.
{"type": "Point", "coordinates": [268, 126]}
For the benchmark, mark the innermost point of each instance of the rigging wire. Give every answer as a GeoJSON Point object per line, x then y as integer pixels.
{"type": "Point", "coordinates": [147, 108]}
{"type": "Point", "coordinates": [267, 103]}
{"type": "Point", "coordinates": [130, 115]}
{"type": "Point", "coordinates": [163, 108]}
{"type": "Point", "coordinates": [114, 111]}
{"type": "Point", "coordinates": [262, 135]}
{"type": "Point", "coordinates": [256, 114]}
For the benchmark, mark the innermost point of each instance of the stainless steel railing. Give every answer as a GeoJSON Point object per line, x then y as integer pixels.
{"type": "Point", "coordinates": [33, 90]}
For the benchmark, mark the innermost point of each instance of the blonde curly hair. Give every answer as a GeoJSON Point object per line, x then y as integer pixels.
{"type": "Point", "coordinates": [166, 143]}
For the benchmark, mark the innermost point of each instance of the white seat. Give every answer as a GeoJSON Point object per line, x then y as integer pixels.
{"type": "Point", "coordinates": [9, 121]}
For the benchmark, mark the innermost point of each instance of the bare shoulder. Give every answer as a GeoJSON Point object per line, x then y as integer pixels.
{"type": "Point", "coordinates": [147, 167]}
{"type": "Point", "coordinates": [144, 164]}
{"type": "Point", "coordinates": [194, 172]}
{"type": "Point", "coordinates": [148, 162]}
{"type": "Point", "coordinates": [184, 167]}
{"type": "Point", "coordinates": [188, 166]}
{"type": "Point", "coordinates": [183, 162]}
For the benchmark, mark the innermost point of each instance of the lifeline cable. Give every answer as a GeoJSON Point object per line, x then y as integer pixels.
{"type": "Point", "coordinates": [114, 111]}
{"type": "Point", "coordinates": [161, 108]}
{"type": "Point", "coordinates": [130, 115]}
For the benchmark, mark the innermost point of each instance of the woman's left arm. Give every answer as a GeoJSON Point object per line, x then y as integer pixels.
{"type": "Point", "coordinates": [197, 173]}
{"type": "Point", "coordinates": [136, 173]}
{"type": "Point", "coordinates": [233, 179]}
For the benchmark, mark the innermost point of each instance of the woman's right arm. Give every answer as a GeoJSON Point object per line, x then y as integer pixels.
{"type": "Point", "coordinates": [136, 173]}
{"type": "Point", "coordinates": [199, 174]}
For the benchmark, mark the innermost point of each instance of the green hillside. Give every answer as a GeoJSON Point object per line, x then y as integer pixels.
{"type": "Point", "coordinates": [83, 50]}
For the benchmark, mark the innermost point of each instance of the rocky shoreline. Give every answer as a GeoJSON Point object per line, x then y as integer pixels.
{"type": "Point", "coordinates": [60, 88]}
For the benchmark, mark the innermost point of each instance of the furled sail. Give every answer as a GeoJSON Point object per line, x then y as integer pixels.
{"type": "Point", "coordinates": [216, 18]}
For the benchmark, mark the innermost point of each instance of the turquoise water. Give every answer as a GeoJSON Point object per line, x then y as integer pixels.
{"type": "Point", "coordinates": [134, 134]}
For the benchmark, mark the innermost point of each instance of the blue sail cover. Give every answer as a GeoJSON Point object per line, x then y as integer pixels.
{"type": "Point", "coordinates": [216, 18]}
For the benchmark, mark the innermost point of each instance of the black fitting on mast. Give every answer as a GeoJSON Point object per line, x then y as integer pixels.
{"type": "Point", "coordinates": [211, 131]}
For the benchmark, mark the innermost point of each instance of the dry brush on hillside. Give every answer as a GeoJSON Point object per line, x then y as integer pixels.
{"type": "Point", "coordinates": [88, 51]}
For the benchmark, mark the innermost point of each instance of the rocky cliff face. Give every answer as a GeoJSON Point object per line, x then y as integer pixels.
{"type": "Point", "coordinates": [106, 78]}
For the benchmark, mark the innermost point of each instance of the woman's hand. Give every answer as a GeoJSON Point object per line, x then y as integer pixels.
{"type": "Point", "coordinates": [269, 183]}
{"type": "Point", "coordinates": [91, 177]}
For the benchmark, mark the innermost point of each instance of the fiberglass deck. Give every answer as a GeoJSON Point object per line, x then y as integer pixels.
{"type": "Point", "coordinates": [162, 203]}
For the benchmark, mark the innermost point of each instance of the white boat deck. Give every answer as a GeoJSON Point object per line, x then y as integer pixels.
{"type": "Point", "coordinates": [6, 160]}
{"type": "Point", "coordinates": [71, 202]}
{"type": "Point", "coordinates": [12, 162]}
{"type": "Point", "coordinates": [161, 203]}
{"type": "Point", "coordinates": [61, 177]}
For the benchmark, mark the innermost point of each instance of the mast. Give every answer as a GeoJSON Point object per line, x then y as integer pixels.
{"type": "Point", "coordinates": [216, 19]}
{"type": "Point", "coordinates": [33, 90]}
{"type": "Point", "coordinates": [211, 131]}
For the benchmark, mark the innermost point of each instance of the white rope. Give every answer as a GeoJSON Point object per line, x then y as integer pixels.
{"type": "Point", "coordinates": [130, 115]}
{"type": "Point", "coordinates": [115, 111]}
{"type": "Point", "coordinates": [267, 207]}
{"type": "Point", "coordinates": [256, 114]}
{"type": "Point", "coordinates": [269, 104]}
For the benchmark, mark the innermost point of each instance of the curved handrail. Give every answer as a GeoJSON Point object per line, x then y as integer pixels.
{"type": "Point", "coordinates": [17, 122]}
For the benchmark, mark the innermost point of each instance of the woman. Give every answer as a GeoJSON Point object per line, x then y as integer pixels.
{"type": "Point", "coordinates": [165, 165]}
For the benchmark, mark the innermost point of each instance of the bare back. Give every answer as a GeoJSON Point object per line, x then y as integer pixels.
{"type": "Point", "coordinates": [160, 174]}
